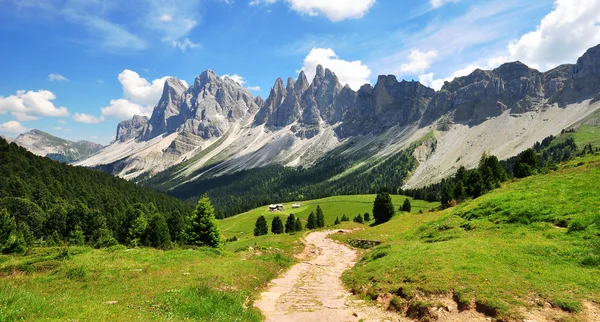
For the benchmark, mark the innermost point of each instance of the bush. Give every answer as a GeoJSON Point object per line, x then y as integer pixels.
{"type": "Point", "coordinates": [577, 225]}
{"type": "Point", "coordinates": [406, 206]}
{"type": "Point", "coordinates": [367, 217]}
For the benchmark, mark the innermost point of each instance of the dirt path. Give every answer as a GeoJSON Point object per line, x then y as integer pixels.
{"type": "Point", "coordinates": [312, 290]}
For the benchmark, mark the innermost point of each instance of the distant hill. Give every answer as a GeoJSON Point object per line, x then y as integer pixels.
{"type": "Point", "coordinates": [55, 148]}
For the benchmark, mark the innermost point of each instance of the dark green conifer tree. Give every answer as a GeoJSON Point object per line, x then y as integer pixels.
{"type": "Point", "coordinates": [383, 209]}
{"type": "Point", "coordinates": [406, 206]}
{"type": "Point", "coordinates": [277, 226]}
{"type": "Point", "coordinates": [203, 229]}
{"type": "Point", "coordinates": [320, 218]}
{"type": "Point", "coordinates": [311, 222]}
{"type": "Point", "coordinates": [260, 227]}
{"type": "Point", "coordinates": [290, 224]}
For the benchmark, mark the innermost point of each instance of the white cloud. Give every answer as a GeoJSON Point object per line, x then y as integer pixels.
{"type": "Point", "coordinates": [57, 77]}
{"type": "Point", "coordinates": [185, 44]}
{"type": "Point", "coordinates": [431, 81]}
{"type": "Point", "coordinates": [122, 109]}
{"type": "Point", "coordinates": [63, 122]}
{"type": "Point", "coordinates": [86, 118]}
{"type": "Point", "coordinates": [353, 73]}
{"type": "Point", "coordinates": [29, 105]}
{"type": "Point", "coordinates": [139, 90]}
{"type": "Point", "coordinates": [242, 81]}
{"type": "Point", "coordinates": [334, 10]}
{"type": "Point", "coordinates": [562, 36]}
{"type": "Point", "coordinates": [418, 61]}
{"type": "Point", "coordinates": [12, 127]}
{"type": "Point", "coordinates": [165, 18]}
{"type": "Point", "coordinates": [236, 78]}
{"type": "Point", "coordinates": [439, 3]}
{"type": "Point", "coordinates": [139, 98]}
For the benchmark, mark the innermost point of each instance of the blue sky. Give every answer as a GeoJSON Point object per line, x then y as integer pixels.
{"type": "Point", "coordinates": [75, 68]}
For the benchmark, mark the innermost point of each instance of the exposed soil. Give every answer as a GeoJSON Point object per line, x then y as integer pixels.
{"type": "Point", "coordinates": [312, 290]}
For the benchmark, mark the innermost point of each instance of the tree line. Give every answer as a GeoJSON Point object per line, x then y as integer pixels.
{"type": "Point", "coordinates": [44, 202]}
{"type": "Point", "coordinates": [248, 189]}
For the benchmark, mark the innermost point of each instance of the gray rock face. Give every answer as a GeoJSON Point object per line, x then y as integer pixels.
{"type": "Point", "coordinates": [131, 129]}
{"type": "Point", "coordinates": [213, 104]}
{"type": "Point", "coordinates": [166, 116]}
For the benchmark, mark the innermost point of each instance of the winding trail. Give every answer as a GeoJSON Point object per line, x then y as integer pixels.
{"type": "Point", "coordinates": [312, 290]}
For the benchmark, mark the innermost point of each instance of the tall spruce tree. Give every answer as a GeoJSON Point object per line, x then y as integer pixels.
{"type": "Point", "coordinates": [203, 229]}
{"type": "Point", "coordinates": [383, 209]}
{"type": "Point", "coordinates": [290, 224]}
{"type": "Point", "coordinates": [311, 222]}
{"type": "Point", "coordinates": [298, 225]}
{"type": "Point", "coordinates": [158, 231]}
{"type": "Point", "coordinates": [277, 226]}
{"type": "Point", "coordinates": [260, 227]}
{"type": "Point", "coordinates": [320, 217]}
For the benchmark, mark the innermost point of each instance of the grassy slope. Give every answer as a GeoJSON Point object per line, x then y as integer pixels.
{"type": "Point", "coordinates": [242, 225]}
{"type": "Point", "coordinates": [510, 254]}
{"type": "Point", "coordinates": [153, 284]}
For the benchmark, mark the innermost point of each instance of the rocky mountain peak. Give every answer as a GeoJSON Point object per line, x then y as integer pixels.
{"type": "Point", "coordinates": [206, 77]}
{"type": "Point", "coordinates": [130, 129]}
{"type": "Point", "coordinates": [589, 63]}
{"type": "Point", "coordinates": [301, 83]}
{"type": "Point", "coordinates": [290, 84]}
{"type": "Point", "coordinates": [514, 70]}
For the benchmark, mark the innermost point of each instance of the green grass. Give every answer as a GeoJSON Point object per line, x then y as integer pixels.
{"type": "Point", "coordinates": [147, 284]}
{"type": "Point", "coordinates": [80, 283]}
{"type": "Point", "coordinates": [497, 252]}
{"type": "Point", "coordinates": [242, 225]}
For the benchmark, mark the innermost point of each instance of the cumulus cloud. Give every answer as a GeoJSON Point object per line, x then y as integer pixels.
{"type": "Point", "coordinates": [139, 90]}
{"type": "Point", "coordinates": [12, 127]}
{"type": "Point", "coordinates": [334, 10]}
{"type": "Point", "coordinates": [562, 36]}
{"type": "Point", "coordinates": [87, 118]}
{"type": "Point", "coordinates": [418, 61]}
{"type": "Point", "coordinates": [122, 109]}
{"type": "Point", "coordinates": [57, 78]}
{"type": "Point", "coordinates": [30, 105]}
{"type": "Point", "coordinates": [139, 98]}
{"type": "Point", "coordinates": [353, 73]}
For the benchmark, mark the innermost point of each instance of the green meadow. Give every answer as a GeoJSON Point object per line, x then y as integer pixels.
{"type": "Point", "coordinates": [530, 243]}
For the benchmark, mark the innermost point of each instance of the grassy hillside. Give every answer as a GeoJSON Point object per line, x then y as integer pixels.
{"type": "Point", "coordinates": [531, 243]}
{"type": "Point", "coordinates": [242, 225]}
{"type": "Point", "coordinates": [141, 284]}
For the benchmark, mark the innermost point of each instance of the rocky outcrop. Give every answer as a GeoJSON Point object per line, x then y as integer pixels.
{"type": "Point", "coordinates": [131, 129]}
{"type": "Point", "coordinates": [166, 116]}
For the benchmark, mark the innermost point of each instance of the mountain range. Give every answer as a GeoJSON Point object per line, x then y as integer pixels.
{"type": "Point", "coordinates": [55, 148]}
{"type": "Point", "coordinates": [216, 127]}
